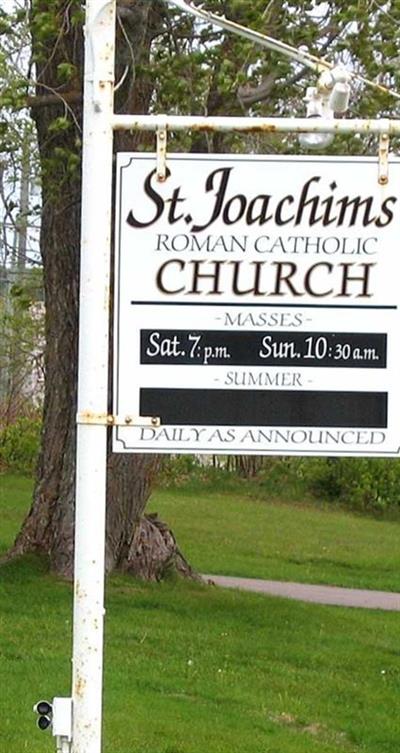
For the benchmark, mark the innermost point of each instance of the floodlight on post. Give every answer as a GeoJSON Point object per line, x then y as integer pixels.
{"type": "Point", "coordinates": [332, 92]}
{"type": "Point", "coordinates": [317, 107]}
{"type": "Point", "coordinates": [330, 96]}
{"type": "Point", "coordinates": [333, 86]}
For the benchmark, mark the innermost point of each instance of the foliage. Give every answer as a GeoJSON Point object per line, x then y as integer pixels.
{"type": "Point", "coordinates": [21, 347]}
{"type": "Point", "coordinates": [229, 472]}
{"type": "Point", "coordinates": [201, 69]}
{"type": "Point", "coordinates": [14, 55]}
{"type": "Point", "coordinates": [181, 65]}
{"type": "Point", "coordinates": [177, 470]}
{"type": "Point", "coordinates": [365, 484]}
{"type": "Point", "coordinates": [368, 485]}
{"type": "Point", "coordinates": [18, 152]}
{"type": "Point", "coordinates": [183, 470]}
{"type": "Point", "coordinates": [19, 445]}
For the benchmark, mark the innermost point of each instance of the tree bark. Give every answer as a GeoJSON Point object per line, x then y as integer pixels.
{"type": "Point", "coordinates": [49, 525]}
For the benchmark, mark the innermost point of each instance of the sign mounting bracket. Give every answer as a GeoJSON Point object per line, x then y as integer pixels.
{"type": "Point", "coordinates": [162, 136]}
{"type": "Point", "coordinates": [107, 419]}
{"type": "Point", "coordinates": [383, 155]}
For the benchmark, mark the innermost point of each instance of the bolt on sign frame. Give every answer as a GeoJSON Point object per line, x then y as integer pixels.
{"type": "Point", "coordinates": [93, 420]}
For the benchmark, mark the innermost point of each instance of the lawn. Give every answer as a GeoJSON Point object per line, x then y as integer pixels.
{"type": "Point", "coordinates": [231, 534]}
{"type": "Point", "coordinates": [191, 668]}
{"type": "Point", "coordinates": [15, 493]}
{"type": "Point", "coordinates": [235, 532]}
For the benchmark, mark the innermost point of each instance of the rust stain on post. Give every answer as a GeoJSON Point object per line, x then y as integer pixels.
{"type": "Point", "coordinates": [262, 128]}
{"type": "Point", "coordinates": [203, 127]}
{"type": "Point", "coordinates": [79, 593]}
{"type": "Point", "coordinates": [270, 128]}
{"type": "Point", "coordinates": [80, 685]}
{"type": "Point", "coordinates": [90, 417]}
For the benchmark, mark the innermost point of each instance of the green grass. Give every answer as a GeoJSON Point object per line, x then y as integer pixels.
{"type": "Point", "coordinates": [233, 534]}
{"type": "Point", "coordinates": [15, 494]}
{"type": "Point", "coordinates": [222, 671]}
{"type": "Point", "coordinates": [190, 668]}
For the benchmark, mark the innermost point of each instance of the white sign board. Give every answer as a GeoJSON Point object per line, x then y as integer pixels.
{"type": "Point", "coordinates": [257, 305]}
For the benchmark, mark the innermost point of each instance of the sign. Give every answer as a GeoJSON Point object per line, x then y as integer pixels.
{"type": "Point", "coordinates": [257, 305]}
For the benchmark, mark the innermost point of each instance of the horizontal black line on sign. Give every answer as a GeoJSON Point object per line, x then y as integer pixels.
{"type": "Point", "coordinates": [191, 407]}
{"type": "Point", "coordinates": [230, 304]}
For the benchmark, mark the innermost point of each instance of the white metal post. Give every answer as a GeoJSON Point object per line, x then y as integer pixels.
{"type": "Point", "coordinates": [93, 377]}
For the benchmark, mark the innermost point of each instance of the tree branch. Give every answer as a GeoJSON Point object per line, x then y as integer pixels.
{"type": "Point", "coordinates": [46, 100]}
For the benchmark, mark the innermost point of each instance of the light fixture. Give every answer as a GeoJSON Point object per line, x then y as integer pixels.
{"type": "Point", "coordinates": [330, 96]}
{"type": "Point", "coordinates": [339, 99]}
{"type": "Point", "coordinates": [335, 84]}
{"type": "Point", "coordinates": [317, 107]}
{"type": "Point", "coordinates": [333, 87]}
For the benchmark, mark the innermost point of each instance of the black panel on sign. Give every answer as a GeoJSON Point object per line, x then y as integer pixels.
{"type": "Point", "coordinates": [265, 408]}
{"type": "Point", "coordinates": [359, 350]}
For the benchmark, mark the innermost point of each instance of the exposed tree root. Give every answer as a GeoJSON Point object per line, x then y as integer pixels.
{"type": "Point", "coordinates": [154, 552]}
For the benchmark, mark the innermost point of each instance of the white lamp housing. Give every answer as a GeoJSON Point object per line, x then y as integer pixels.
{"type": "Point", "coordinates": [330, 96]}
{"type": "Point", "coordinates": [339, 99]}
{"type": "Point", "coordinates": [317, 107]}
{"type": "Point", "coordinates": [335, 84]}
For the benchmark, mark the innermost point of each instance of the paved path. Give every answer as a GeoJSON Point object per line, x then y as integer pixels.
{"type": "Point", "coordinates": [344, 597]}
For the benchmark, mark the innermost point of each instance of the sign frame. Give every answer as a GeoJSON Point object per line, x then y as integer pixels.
{"type": "Point", "coordinates": [359, 242]}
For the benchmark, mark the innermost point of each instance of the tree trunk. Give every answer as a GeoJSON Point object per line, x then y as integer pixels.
{"type": "Point", "coordinates": [248, 466]}
{"type": "Point", "coordinates": [49, 524]}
